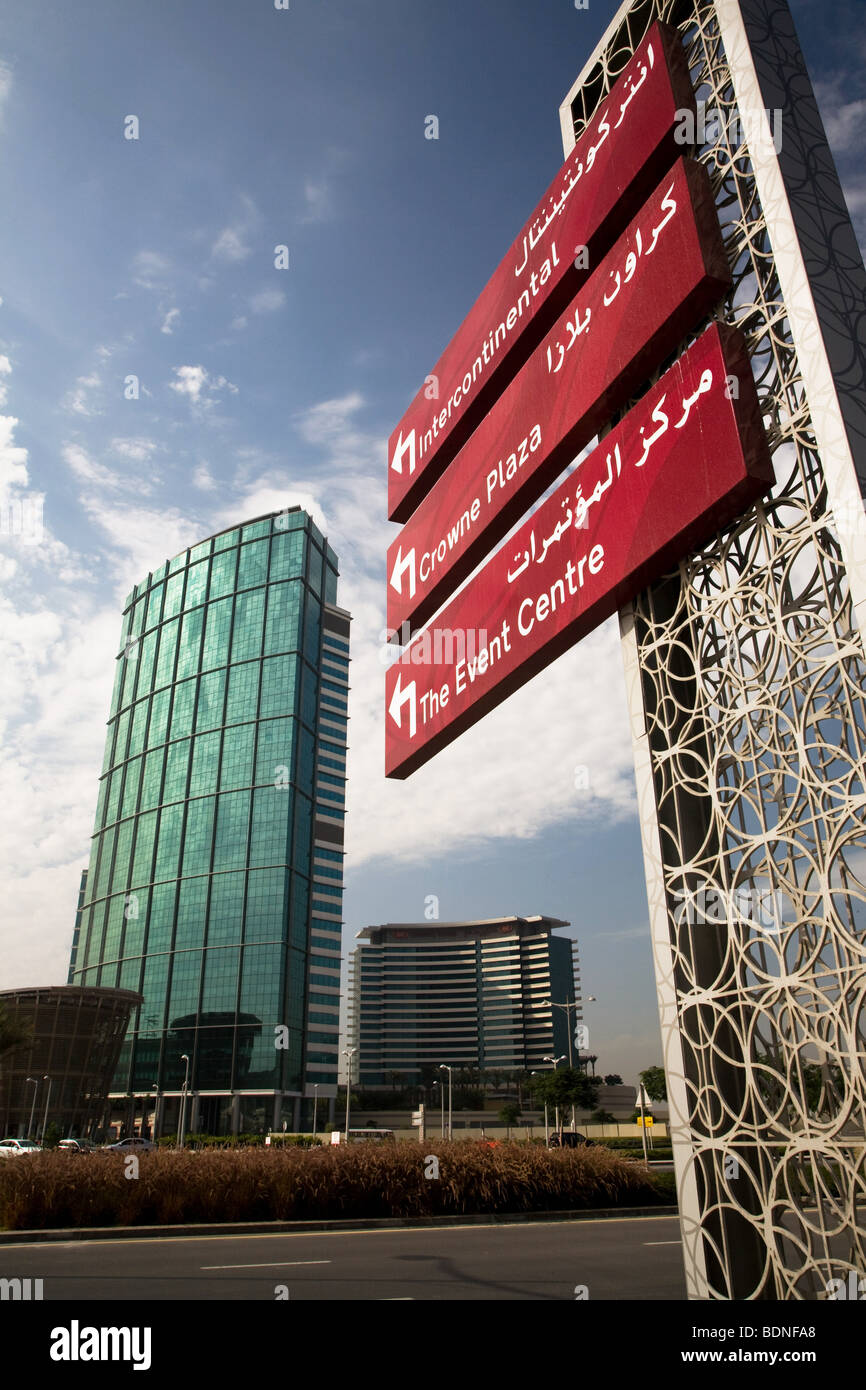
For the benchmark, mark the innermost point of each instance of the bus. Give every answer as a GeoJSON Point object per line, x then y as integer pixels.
{"type": "Point", "coordinates": [362, 1136]}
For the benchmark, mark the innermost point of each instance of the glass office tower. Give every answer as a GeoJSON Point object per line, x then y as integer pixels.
{"type": "Point", "coordinates": [215, 879]}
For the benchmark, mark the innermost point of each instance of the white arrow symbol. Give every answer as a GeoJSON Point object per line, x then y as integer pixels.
{"type": "Point", "coordinates": [401, 564]}
{"type": "Point", "coordinates": [402, 446]}
{"type": "Point", "coordinates": [398, 700]}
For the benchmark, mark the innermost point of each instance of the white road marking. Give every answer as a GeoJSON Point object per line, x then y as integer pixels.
{"type": "Point", "coordinates": [268, 1264]}
{"type": "Point", "coordinates": [662, 1242]}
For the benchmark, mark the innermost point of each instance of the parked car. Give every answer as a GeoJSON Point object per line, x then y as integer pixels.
{"type": "Point", "coordinates": [571, 1139]}
{"type": "Point", "coordinates": [134, 1145]}
{"type": "Point", "coordinates": [76, 1146]}
{"type": "Point", "coordinates": [12, 1147]}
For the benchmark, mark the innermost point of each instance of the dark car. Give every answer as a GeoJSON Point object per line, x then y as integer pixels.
{"type": "Point", "coordinates": [570, 1139]}
{"type": "Point", "coordinates": [76, 1146]}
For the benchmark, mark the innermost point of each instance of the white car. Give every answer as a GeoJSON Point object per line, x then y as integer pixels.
{"type": "Point", "coordinates": [10, 1147]}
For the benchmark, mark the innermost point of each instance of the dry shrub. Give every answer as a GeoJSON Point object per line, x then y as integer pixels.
{"type": "Point", "coordinates": [363, 1180]}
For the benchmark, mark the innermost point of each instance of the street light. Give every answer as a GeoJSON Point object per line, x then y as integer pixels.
{"type": "Point", "coordinates": [441, 1107]}
{"type": "Point", "coordinates": [567, 1007]}
{"type": "Point", "coordinates": [155, 1088]}
{"type": "Point", "coordinates": [47, 1103]}
{"type": "Point", "coordinates": [34, 1081]}
{"type": "Point", "coordinates": [556, 1061]}
{"type": "Point", "coordinates": [315, 1105]}
{"type": "Point", "coordinates": [546, 1125]}
{"type": "Point", "coordinates": [181, 1128]}
{"type": "Point", "coordinates": [443, 1066]}
{"type": "Point", "coordinates": [348, 1053]}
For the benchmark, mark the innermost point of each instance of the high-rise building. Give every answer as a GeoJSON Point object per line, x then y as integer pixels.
{"type": "Point", "coordinates": [467, 994]}
{"type": "Point", "coordinates": [215, 879]}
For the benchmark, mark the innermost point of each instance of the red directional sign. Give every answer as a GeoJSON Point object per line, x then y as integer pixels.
{"type": "Point", "coordinates": [686, 459]}
{"type": "Point", "coordinates": [619, 157]}
{"type": "Point", "coordinates": [663, 274]}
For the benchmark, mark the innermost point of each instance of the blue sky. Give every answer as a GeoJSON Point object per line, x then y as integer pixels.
{"type": "Point", "coordinates": [262, 387]}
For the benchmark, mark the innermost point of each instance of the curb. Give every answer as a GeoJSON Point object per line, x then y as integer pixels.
{"type": "Point", "coordinates": [241, 1228]}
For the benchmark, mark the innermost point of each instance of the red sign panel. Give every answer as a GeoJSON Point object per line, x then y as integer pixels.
{"type": "Point", "coordinates": [684, 461]}
{"type": "Point", "coordinates": [616, 161]}
{"type": "Point", "coordinates": [666, 270]}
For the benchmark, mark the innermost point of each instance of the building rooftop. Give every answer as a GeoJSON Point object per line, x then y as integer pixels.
{"type": "Point", "coordinates": [478, 924]}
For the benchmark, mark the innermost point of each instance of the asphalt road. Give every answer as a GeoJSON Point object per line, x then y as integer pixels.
{"type": "Point", "coordinates": [629, 1258]}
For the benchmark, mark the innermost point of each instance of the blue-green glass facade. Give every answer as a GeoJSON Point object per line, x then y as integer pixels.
{"type": "Point", "coordinates": [215, 877]}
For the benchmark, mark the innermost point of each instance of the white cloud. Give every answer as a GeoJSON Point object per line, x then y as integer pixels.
{"type": "Point", "coordinates": [5, 369]}
{"type": "Point", "coordinates": [138, 450]}
{"type": "Point", "coordinates": [142, 537]}
{"type": "Point", "coordinates": [150, 270]}
{"type": "Point", "coordinates": [13, 458]}
{"type": "Point", "coordinates": [203, 478]}
{"type": "Point", "coordinates": [169, 321]}
{"type": "Point", "coordinates": [199, 386]}
{"type": "Point", "coordinates": [87, 469]}
{"type": "Point", "coordinates": [77, 400]}
{"type": "Point", "coordinates": [267, 301]}
{"type": "Point", "coordinates": [317, 200]}
{"type": "Point", "coordinates": [190, 381]}
{"type": "Point", "coordinates": [232, 244]}
{"type": "Point", "coordinates": [49, 767]}
{"type": "Point", "coordinates": [240, 323]}
{"type": "Point", "coordinates": [844, 121]}
{"type": "Point", "coordinates": [5, 88]}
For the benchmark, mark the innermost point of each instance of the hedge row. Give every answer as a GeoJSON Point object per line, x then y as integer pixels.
{"type": "Point", "coordinates": [163, 1188]}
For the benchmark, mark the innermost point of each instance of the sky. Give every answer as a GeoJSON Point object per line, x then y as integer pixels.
{"type": "Point", "coordinates": [261, 387]}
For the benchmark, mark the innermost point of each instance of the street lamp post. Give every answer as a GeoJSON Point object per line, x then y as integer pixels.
{"type": "Point", "coordinates": [34, 1081]}
{"type": "Point", "coordinates": [568, 1024]}
{"type": "Point", "coordinates": [154, 1131]}
{"type": "Point", "coordinates": [181, 1128]}
{"type": "Point", "coordinates": [443, 1066]}
{"type": "Point", "coordinates": [556, 1061]}
{"type": "Point", "coordinates": [441, 1107]}
{"type": "Point", "coordinates": [546, 1125]}
{"type": "Point", "coordinates": [315, 1105]}
{"type": "Point", "coordinates": [47, 1103]}
{"type": "Point", "coordinates": [348, 1053]}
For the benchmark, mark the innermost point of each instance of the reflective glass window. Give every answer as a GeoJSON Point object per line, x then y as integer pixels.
{"type": "Point", "coordinates": [211, 701]}
{"type": "Point", "coordinates": [237, 757]}
{"type": "Point", "coordinates": [271, 826]}
{"type": "Point", "coordinates": [249, 625]}
{"type": "Point", "coordinates": [183, 705]}
{"type": "Point", "coordinates": [191, 913]}
{"type": "Point", "coordinates": [168, 844]}
{"type": "Point", "coordinates": [197, 840]}
{"type": "Point", "coordinates": [232, 823]}
{"type": "Point", "coordinates": [243, 684]}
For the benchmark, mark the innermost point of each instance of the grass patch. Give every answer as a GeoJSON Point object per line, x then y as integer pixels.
{"type": "Point", "coordinates": [53, 1190]}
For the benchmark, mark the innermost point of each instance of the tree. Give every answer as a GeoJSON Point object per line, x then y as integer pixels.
{"type": "Point", "coordinates": [613, 1079]}
{"type": "Point", "coordinates": [567, 1086]}
{"type": "Point", "coordinates": [510, 1114]}
{"type": "Point", "coordinates": [654, 1083]}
